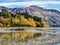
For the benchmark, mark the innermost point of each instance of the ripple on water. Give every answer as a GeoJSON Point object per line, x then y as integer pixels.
{"type": "Point", "coordinates": [58, 44]}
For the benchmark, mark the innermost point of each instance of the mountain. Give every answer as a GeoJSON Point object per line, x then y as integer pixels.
{"type": "Point", "coordinates": [50, 16]}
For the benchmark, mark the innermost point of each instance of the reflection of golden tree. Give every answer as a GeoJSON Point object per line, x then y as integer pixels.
{"type": "Point", "coordinates": [23, 35]}
{"type": "Point", "coordinates": [31, 34]}
{"type": "Point", "coordinates": [5, 35]}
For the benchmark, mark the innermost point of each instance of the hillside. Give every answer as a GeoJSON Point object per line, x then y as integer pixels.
{"type": "Point", "coordinates": [8, 19]}
{"type": "Point", "coordinates": [50, 16]}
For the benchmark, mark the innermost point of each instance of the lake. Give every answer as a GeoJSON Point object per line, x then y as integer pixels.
{"type": "Point", "coordinates": [30, 36]}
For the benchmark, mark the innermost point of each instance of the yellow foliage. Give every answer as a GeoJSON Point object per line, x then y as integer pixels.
{"type": "Point", "coordinates": [16, 20]}
{"type": "Point", "coordinates": [32, 22]}
{"type": "Point", "coordinates": [7, 19]}
{"type": "Point", "coordinates": [8, 25]}
{"type": "Point", "coordinates": [44, 24]}
{"type": "Point", "coordinates": [1, 25]}
{"type": "Point", "coordinates": [3, 19]}
{"type": "Point", "coordinates": [24, 21]}
{"type": "Point", "coordinates": [6, 22]}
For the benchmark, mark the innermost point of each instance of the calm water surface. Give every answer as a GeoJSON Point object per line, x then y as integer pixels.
{"type": "Point", "coordinates": [51, 36]}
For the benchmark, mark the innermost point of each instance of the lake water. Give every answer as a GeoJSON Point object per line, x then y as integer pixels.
{"type": "Point", "coordinates": [58, 44]}
{"type": "Point", "coordinates": [42, 36]}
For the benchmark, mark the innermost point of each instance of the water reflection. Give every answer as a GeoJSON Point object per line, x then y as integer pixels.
{"type": "Point", "coordinates": [6, 38]}
{"type": "Point", "coordinates": [58, 44]}
{"type": "Point", "coordinates": [30, 36]}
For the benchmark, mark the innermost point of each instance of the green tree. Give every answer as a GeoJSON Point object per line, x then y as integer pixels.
{"type": "Point", "coordinates": [37, 18]}
{"type": "Point", "coordinates": [5, 13]}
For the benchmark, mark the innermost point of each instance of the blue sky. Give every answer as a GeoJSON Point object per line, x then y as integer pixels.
{"type": "Point", "coordinates": [50, 4]}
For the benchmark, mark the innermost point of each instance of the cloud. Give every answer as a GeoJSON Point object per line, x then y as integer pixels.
{"type": "Point", "coordinates": [28, 3]}
{"type": "Point", "coordinates": [12, 6]}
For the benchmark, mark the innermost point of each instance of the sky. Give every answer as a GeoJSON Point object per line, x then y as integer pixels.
{"type": "Point", "coordinates": [49, 4]}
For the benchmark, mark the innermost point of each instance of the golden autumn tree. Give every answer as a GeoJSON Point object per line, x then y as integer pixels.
{"type": "Point", "coordinates": [1, 25]}
{"type": "Point", "coordinates": [32, 22]}
{"type": "Point", "coordinates": [15, 21]}
{"type": "Point", "coordinates": [24, 21]}
{"type": "Point", "coordinates": [6, 22]}
{"type": "Point", "coordinates": [44, 24]}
